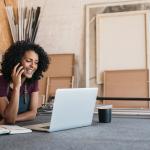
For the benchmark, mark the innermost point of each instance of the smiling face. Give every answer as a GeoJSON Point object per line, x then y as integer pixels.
{"type": "Point", "coordinates": [30, 63]}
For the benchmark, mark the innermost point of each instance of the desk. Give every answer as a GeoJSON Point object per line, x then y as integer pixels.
{"type": "Point", "coordinates": [120, 134]}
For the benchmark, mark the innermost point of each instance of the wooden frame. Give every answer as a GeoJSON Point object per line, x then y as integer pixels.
{"type": "Point", "coordinates": [91, 12]}
{"type": "Point", "coordinates": [54, 83]}
{"type": "Point", "coordinates": [121, 41]}
{"type": "Point", "coordinates": [0, 60]}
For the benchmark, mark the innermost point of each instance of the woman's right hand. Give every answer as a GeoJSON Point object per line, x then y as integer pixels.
{"type": "Point", "coordinates": [16, 75]}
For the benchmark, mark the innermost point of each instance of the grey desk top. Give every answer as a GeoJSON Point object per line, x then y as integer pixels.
{"type": "Point", "coordinates": [120, 134]}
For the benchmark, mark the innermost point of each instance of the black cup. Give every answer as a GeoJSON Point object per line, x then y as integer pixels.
{"type": "Point", "coordinates": [105, 115]}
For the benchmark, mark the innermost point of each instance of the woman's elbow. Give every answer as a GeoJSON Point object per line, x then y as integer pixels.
{"type": "Point", "coordinates": [9, 119]}
{"type": "Point", "coordinates": [33, 116]}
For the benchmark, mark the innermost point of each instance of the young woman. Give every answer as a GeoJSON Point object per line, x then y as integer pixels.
{"type": "Point", "coordinates": [22, 67]}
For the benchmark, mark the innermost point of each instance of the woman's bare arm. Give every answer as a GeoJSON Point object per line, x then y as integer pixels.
{"type": "Point", "coordinates": [11, 110]}
{"type": "Point", "coordinates": [3, 104]}
{"type": "Point", "coordinates": [10, 113]}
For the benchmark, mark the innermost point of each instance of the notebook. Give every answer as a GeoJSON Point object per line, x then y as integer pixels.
{"type": "Point", "coordinates": [13, 129]}
{"type": "Point", "coordinates": [72, 108]}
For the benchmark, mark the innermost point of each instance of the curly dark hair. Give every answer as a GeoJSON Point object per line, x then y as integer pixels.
{"type": "Point", "coordinates": [14, 54]}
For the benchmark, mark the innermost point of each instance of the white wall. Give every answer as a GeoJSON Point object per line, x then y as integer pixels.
{"type": "Point", "coordinates": [62, 29]}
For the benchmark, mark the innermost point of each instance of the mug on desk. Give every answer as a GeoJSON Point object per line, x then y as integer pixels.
{"type": "Point", "coordinates": [104, 113]}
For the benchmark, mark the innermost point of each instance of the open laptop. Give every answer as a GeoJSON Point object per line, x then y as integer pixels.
{"type": "Point", "coordinates": [72, 108]}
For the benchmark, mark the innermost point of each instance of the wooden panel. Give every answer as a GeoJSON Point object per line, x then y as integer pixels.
{"type": "Point", "coordinates": [61, 65]}
{"type": "Point", "coordinates": [59, 82]}
{"type": "Point", "coordinates": [126, 83]}
{"type": "Point", "coordinates": [59, 74]}
{"type": "Point", "coordinates": [6, 38]}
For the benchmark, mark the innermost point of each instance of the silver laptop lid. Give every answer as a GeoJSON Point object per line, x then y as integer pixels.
{"type": "Point", "coordinates": [73, 108]}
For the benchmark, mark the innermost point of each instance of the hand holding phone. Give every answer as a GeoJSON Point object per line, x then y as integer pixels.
{"type": "Point", "coordinates": [16, 75]}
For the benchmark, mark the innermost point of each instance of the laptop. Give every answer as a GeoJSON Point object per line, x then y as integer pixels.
{"type": "Point", "coordinates": [72, 108]}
